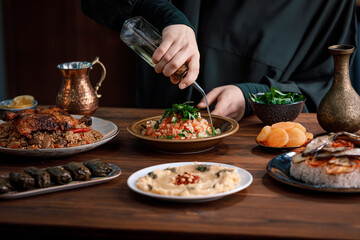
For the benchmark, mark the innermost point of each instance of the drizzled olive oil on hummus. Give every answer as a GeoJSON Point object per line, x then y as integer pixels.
{"type": "Point", "coordinates": [190, 180]}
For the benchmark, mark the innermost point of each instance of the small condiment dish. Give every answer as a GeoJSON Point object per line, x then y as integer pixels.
{"type": "Point", "coordinates": [9, 101]}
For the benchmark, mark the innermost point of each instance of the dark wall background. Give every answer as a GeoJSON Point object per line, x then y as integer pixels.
{"type": "Point", "coordinates": [40, 34]}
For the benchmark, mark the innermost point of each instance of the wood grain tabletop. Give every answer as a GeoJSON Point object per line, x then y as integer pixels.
{"type": "Point", "coordinates": [266, 209]}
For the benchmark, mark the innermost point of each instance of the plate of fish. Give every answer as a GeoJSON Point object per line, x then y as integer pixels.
{"type": "Point", "coordinates": [34, 181]}
{"type": "Point", "coordinates": [52, 132]}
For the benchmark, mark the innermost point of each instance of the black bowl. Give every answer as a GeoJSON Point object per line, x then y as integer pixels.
{"type": "Point", "coordinates": [270, 114]}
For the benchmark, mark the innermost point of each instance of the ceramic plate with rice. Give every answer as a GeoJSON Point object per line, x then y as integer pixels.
{"type": "Point", "coordinates": [329, 163]}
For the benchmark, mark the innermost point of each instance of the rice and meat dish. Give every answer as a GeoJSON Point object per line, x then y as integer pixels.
{"type": "Point", "coordinates": [329, 161]}
{"type": "Point", "coordinates": [182, 121]}
{"type": "Point", "coordinates": [45, 128]}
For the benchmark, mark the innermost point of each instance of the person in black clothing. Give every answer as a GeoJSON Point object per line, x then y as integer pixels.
{"type": "Point", "coordinates": [245, 47]}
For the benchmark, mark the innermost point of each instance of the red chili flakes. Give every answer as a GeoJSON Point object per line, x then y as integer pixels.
{"type": "Point", "coordinates": [186, 179]}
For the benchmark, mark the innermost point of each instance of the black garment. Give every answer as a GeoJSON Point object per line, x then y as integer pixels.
{"type": "Point", "coordinates": [253, 44]}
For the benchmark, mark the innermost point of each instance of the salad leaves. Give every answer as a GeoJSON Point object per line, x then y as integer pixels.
{"type": "Point", "coordinates": [185, 110]}
{"type": "Point", "coordinates": [276, 97]}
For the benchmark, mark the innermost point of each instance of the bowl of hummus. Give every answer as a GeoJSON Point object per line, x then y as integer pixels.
{"type": "Point", "coordinates": [189, 181]}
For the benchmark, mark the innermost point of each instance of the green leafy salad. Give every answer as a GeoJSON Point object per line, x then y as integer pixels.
{"type": "Point", "coordinates": [276, 97]}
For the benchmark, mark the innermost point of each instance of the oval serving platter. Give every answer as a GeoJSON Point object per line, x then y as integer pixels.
{"type": "Point", "coordinates": [116, 172]}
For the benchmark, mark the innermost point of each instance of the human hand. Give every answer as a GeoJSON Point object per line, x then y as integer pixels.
{"type": "Point", "coordinates": [178, 46]}
{"type": "Point", "coordinates": [230, 101]}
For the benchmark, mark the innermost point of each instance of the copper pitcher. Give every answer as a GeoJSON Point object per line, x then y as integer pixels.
{"type": "Point", "coordinates": [76, 94]}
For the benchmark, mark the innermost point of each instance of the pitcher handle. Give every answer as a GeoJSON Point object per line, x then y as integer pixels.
{"type": "Point", "coordinates": [103, 74]}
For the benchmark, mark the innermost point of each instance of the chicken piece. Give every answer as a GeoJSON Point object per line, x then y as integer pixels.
{"type": "Point", "coordinates": [50, 119]}
{"type": "Point", "coordinates": [39, 122]}
{"type": "Point", "coordinates": [8, 115]}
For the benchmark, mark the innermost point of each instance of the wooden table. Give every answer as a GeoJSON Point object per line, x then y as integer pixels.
{"type": "Point", "coordinates": [266, 209]}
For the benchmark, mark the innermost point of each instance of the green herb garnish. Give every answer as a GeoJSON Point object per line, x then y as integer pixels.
{"type": "Point", "coordinates": [152, 175]}
{"type": "Point", "coordinates": [183, 109]}
{"type": "Point", "coordinates": [213, 132]}
{"type": "Point", "coordinates": [156, 125]}
{"type": "Point", "coordinates": [171, 169]}
{"type": "Point", "coordinates": [170, 137]}
{"type": "Point", "coordinates": [222, 171]}
{"type": "Point", "coordinates": [276, 97]}
{"type": "Point", "coordinates": [203, 168]}
{"type": "Point", "coordinates": [188, 131]}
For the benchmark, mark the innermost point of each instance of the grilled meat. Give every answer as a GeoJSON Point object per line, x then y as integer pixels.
{"type": "Point", "coordinates": [28, 121]}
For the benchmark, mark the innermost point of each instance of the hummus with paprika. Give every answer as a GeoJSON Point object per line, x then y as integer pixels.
{"type": "Point", "coordinates": [190, 180]}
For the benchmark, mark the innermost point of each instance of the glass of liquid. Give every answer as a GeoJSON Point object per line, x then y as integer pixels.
{"type": "Point", "coordinates": [144, 39]}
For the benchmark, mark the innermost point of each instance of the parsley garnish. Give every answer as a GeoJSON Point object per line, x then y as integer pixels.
{"type": "Point", "coordinates": [185, 111]}
{"type": "Point", "coordinates": [276, 97]}
{"type": "Point", "coordinates": [152, 175]}
{"type": "Point", "coordinates": [213, 132]}
{"type": "Point", "coordinates": [170, 137]}
{"type": "Point", "coordinates": [203, 168]}
{"type": "Point", "coordinates": [156, 125]}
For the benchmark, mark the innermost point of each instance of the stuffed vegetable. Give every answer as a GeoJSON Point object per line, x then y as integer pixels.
{"type": "Point", "coordinates": [42, 178]}
{"type": "Point", "coordinates": [4, 185]}
{"type": "Point", "coordinates": [78, 171]}
{"type": "Point", "coordinates": [98, 168]}
{"type": "Point", "coordinates": [21, 180]}
{"type": "Point", "coordinates": [59, 175]}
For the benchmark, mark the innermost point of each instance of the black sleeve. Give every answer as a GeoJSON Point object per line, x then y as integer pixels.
{"type": "Point", "coordinates": [113, 13]}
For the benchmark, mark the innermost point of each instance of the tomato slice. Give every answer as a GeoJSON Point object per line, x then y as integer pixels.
{"type": "Point", "coordinates": [79, 130]}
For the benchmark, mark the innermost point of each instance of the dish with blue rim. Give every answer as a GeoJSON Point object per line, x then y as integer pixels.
{"type": "Point", "coordinates": [279, 169]}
